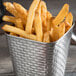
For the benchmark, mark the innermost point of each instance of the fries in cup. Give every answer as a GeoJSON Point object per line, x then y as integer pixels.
{"type": "Point", "coordinates": [37, 23]}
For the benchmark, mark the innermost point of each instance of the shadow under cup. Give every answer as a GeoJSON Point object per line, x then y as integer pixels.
{"type": "Point", "coordinates": [33, 58]}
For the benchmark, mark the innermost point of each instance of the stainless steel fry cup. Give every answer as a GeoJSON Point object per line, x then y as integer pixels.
{"type": "Point", "coordinates": [33, 58]}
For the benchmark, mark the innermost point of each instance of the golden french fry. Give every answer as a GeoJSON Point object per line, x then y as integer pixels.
{"type": "Point", "coordinates": [9, 18]}
{"type": "Point", "coordinates": [38, 24]}
{"type": "Point", "coordinates": [68, 21]}
{"type": "Point", "coordinates": [33, 30]}
{"type": "Point", "coordinates": [49, 15]}
{"type": "Point", "coordinates": [69, 18]}
{"type": "Point", "coordinates": [48, 25]}
{"type": "Point", "coordinates": [19, 24]}
{"type": "Point", "coordinates": [67, 28]}
{"type": "Point", "coordinates": [49, 21]}
{"type": "Point", "coordinates": [61, 29]}
{"type": "Point", "coordinates": [54, 33]}
{"type": "Point", "coordinates": [14, 20]}
{"type": "Point", "coordinates": [18, 31]}
{"type": "Point", "coordinates": [22, 12]}
{"type": "Point", "coordinates": [43, 12]}
{"type": "Point", "coordinates": [57, 32]}
{"type": "Point", "coordinates": [44, 16]}
{"type": "Point", "coordinates": [62, 14]}
{"type": "Point", "coordinates": [44, 29]}
{"type": "Point", "coordinates": [31, 15]}
{"type": "Point", "coordinates": [13, 34]}
{"type": "Point", "coordinates": [9, 7]}
{"type": "Point", "coordinates": [46, 37]}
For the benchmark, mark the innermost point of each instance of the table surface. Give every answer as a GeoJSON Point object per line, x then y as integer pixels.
{"type": "Point", "coordinates": [6, 68]}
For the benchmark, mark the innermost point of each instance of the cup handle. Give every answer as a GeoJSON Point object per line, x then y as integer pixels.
{"type": "Point", "coordinates": [73, 36]}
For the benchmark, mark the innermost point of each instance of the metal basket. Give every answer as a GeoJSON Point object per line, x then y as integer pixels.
{"type": "Point", "coordinates": [32, 58]}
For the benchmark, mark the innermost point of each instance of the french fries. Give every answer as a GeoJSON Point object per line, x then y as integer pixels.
{"type": "Point", "coordinates": [19, 24]}
{"type": "Point", "coordinates": [68, 21]}
{"type": "Point", "coordinates": [22, 12]}
{"type": "Point", "coordinates": [43, 15]}
{"type": "Point", "coordinates": [69, 18]}
{"type": "Point", "coordinates": [33, 30]}
{"type": "Point", "coordinates": [67, 28]}
{"type": "Point", "coordinates": [49, 19]}
{"type": "Point", "coordinates": [37, 23]}
{"type": "Point", "coordinates": [31, 15]}
{"type": "Point", "coordinates": [9, 19]}
{"type": "Point", "coordinates": [57, 31]}
{"type": "Point", "coordinates": [48, 22]}
{"type": "Point", "coordinates": [46, 37]}
{"type": "Point", "coordinates": [54, 34]}
{"type": "Point", "coordinates": [9, 7]}
{"type": "Point", "coordinates": [62, 14]}
{"type": "Point", "coordinates": [18, 31]}
{"type": "Point", "coordinates": [13, 34]}
{"type": "Point", "coordinates": [12, 20]}
{"type": "Point", "coordinates": [61, 29]}
{"type": "Point", "coordinates": [43, 12]}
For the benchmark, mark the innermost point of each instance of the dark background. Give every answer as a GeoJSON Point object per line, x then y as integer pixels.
{"type": "Point", "coordinates": [54, 7]}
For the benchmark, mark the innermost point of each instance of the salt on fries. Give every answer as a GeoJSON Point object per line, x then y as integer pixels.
{"type": "Point", "coordinates": [37, 23]}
